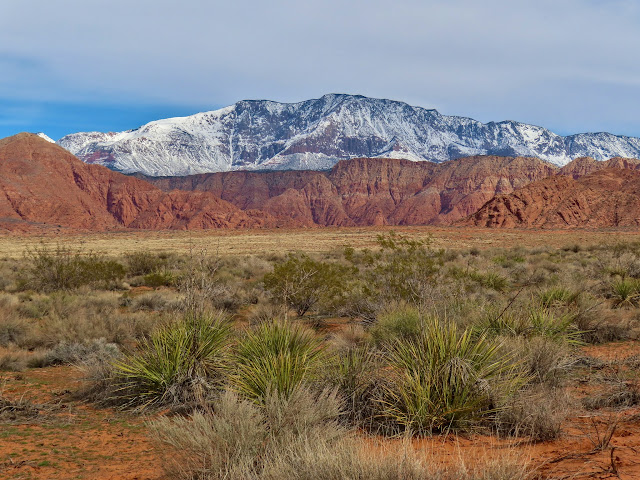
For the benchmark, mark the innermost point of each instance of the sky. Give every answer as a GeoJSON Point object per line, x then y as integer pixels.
{"type": "Point", "coordinates": [95, 65]}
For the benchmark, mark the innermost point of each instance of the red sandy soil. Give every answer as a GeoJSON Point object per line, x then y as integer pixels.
{"type": "Point", "coordinates": [75, 440]}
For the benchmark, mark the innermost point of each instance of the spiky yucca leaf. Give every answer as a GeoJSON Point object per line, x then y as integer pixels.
{"type": "Point", "coordinates": [446, 378]}
{"type": "Point", "coordinates": [559, 328]}
{"type": "Point", "coordinates": [275, 357]}
{"type": "Point", "coordinates": [179, 361]}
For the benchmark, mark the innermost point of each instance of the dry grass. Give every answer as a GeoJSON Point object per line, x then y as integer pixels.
{"type": "Point", "coordinates": [247, 242]}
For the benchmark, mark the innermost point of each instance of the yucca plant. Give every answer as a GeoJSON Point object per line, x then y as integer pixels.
{"type": "Point", "coordinates": [275, 358]}
{"type": "Point", "coordinates": [180, 362]}
{"type": "Point", "coordinates": [355, 374]}
{"type": "Point", "coordinates": [446, 378]}
{"type": "Point", "coordinates": [625, 292]}
{"type": "Point", "coordinates": [558, 296]}
{"type": "Point", "coordinates": [559, 328]}
{"type": "Point", "coordinates": [495, 323]}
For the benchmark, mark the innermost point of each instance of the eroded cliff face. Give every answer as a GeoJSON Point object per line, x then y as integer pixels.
{"type": "Point", "coordinates": [604, 198]}
{"type": "Point", "coordinates": [43, 183]}
{"type": "Point", "coordinates": [585, 165]}
{"type": "Point", "coordinates": [370, 191]}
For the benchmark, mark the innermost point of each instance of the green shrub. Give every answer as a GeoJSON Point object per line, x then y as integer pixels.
{"type": "Point", "coordinates": [625, 292]}
{"type": "Point", "coordinates": [275, 357]}
{"type": "Point", "coordinates": [302, 282]}
{"type": "Point", "coordinates": [143, 263]}
{"type": "Point", "coordinates": [490, 280]}
{"type": "Point", "coordinates": [403, 322]}
{"type": "Point", "coordinates": [501, 323]}
{"type": "Point", "coordinates": [403, 269]}
{"type": "Point", "coordinates": [182, 362]}
{"type": "Point", "coordinates": [446, 379]}
{"type": "Point", "coordinates": [62, 268]}
{"type": "Point", "coordinates": [159, 279]}
{"type": "Point", "coordinates": [560, 328]}
{"type": "Point", "coordinates": [558, 296]}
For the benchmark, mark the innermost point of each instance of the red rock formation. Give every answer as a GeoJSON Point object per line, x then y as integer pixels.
{"type": "Point", "coordinates": [43, 183]}
{"type": "Point", "coordinates": [371, 191]}
{"type": "Point", "coordinates": [605, 198]}
{"type": "Point", "coordinates": [586, 165]}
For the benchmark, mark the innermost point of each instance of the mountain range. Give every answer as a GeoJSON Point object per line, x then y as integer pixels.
{"type": "Point", "coordinates": [43, 186]}
{"type": "Point", "coordinates": [317, 134]}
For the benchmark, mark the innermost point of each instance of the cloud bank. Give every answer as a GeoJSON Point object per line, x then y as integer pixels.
{"type": "Point", "coordinates": [571, 66]}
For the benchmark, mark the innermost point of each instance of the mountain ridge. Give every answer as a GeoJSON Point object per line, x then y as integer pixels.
{"type": "Point", "coordinates": [316, 134]}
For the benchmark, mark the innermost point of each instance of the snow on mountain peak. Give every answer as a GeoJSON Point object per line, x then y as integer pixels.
{"type": "Point", "coordinates": [314, 134]}
{"type": "Point", "coordinates": [46, 137]}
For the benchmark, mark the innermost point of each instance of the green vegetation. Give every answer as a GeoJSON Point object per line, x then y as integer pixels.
{"type": "Point", "coordinates": [275, 358]}
{"type": "Point", "coordinates": [273, 362]}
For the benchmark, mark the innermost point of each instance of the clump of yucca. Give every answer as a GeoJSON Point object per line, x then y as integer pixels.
{"type": "Point", "coordinates": [180, 363]}
{"type": "Point", "coordinates": [275, 358]}
{"type": "Point", "coordinates": [446, 378]}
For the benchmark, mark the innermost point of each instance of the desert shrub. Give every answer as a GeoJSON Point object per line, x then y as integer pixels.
{"type": "Point", "coordinates": [625, 292]}
{"type": "Point", "coordinates": [544, 322]}
{"type": "Point", "coordinates": [155, 301]}
{"type": "Point", "coordinates": [76, 353]}
{"type": "Point", "coordinates": [500, 322]}
{"type": "Point", "coordinates": [356, 376]}
{"type": "Point", "coordinates": [224, 444]}
{"type": "Point", "coordinates": [144, 263]}
{"type": "Point", "coordinates": [557, 296]}
{"type": "Point", "coordinates": [13, 330]}
{"type": "Point", "coordinates": [15, 360]}
{"type": "Point", "coordinates": [180, 363]}
{"type": "Point", "coordinates": [157, 279]}
{"type": "Point", "coordinates": [64, 318]}
{"type": "Point", "coordinates": [62, 268]}
{"type": "Point", "coordinates": [264, 313]}
{"type": "Point", "coordinates": [294, 437]}
{"type": "Point", "coordinates": [402, 268]}
{"type": "Point", "coordinates": [489, 280]}
{"type": "Point", "coordinates": [540, 359]}
{"type": "Point", "coordinates": [623, 395]}
{"type": "Point", "coordinates": [402, 322]}
{"type": "Point", "coordinates": [622, 389]}
{"type": "Point", "coordinates": [302, 282]}
{"type": "Point", "coordinates": [275, 357]}
{"type": "Point", "coordinates": [536, 413]}
{"type": "Point", "coordinates": [446, 378]}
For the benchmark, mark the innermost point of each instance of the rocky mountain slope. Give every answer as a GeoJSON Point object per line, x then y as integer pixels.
{"type": "Point", "coordinates": [605, 198]}
{"type": "Point", "coordinates": [41, 183]}
{"type": "Point", "coordinates": [316, 134]}
{"type": "Point", "coordinates": [370, 191]}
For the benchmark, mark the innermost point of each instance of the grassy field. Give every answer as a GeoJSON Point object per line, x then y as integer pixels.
{"type": "Point", "coordinates": [247, 242]}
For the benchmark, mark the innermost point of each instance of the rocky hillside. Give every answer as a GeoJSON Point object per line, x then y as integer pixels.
{"type": "Point", "coordinates": [316, 134]}
{"type": "Point", "coordinates": [605, 198]}
{"type": "Point", "coordinates": [41, 183]}
{"type": "Point", "coordinates": [370, 191]}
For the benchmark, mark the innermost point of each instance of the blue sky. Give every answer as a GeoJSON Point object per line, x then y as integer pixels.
{"type": "Point", "coordinates": [80, 65]}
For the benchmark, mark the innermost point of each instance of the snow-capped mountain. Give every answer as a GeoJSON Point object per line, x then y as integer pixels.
{"type": "Point", "coordinates": [46, 137]}
{"type": "Point", "coordinates": [316, 134]}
